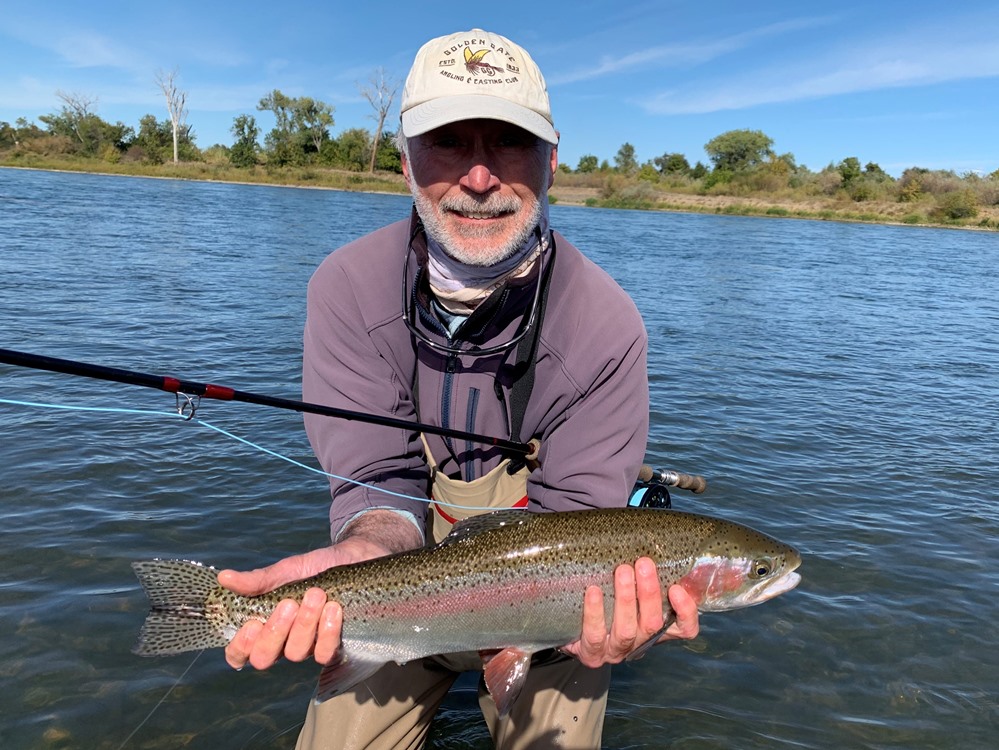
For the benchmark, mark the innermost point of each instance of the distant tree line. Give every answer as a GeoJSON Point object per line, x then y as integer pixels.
{"type": "Point", "coordinates": [301, 135]}
{"type": "Point", "coordinates": [740, 162]}
{"type": "Point", "coordinates": [744, 163]}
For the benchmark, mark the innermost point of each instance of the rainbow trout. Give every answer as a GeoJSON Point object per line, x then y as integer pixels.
{"type": "Point", "coordinates": [511, 581]}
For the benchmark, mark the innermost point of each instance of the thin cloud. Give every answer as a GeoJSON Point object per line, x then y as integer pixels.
{"type": "Point", "coordinates": [87, 49]}
{"type": "Point", "coordinates": [916, 60]}
{"type": "Point", "coordinates": [682, 55]}
{"type": "Point", "coordinates": [76, 47]}
{"type": "Point", "coordinates": [26, 93]}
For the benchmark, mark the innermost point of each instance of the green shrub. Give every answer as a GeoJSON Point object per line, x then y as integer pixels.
{"type": "Point", "coordinates": [959, 204]}
{"type": "Point", "coordinates": [860, 190]}
{"type": "Point", "coordinates": [110, 154]}
{"type": "Point", "coordinates": [716, 177]}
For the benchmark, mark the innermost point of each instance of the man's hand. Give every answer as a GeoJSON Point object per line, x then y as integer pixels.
{"type": "Point", "coordinates": [638, 615]}
{"type": "Point", "coordinates": [293, 630]}
{"type": "Point", "coordinates": [312, 628]}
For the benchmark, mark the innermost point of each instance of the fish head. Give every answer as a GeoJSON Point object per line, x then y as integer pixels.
{"type": "Point", "coordinates": [739, 567]}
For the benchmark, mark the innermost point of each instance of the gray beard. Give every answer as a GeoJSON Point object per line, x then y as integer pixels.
{"type": "Point", "coordinates": [451, 245]}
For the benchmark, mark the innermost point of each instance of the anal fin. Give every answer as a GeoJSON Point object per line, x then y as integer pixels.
{"type": "Point", "coordinates": [343, 674]}
{"type": "Point", "coordinates": [505, 674]}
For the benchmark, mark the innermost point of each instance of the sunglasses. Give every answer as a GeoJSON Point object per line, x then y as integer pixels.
{"type": "Point", "coordinates": [526, 324]}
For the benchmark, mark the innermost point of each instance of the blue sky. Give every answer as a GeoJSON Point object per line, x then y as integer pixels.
{"type": "Point", "coordinates": [903, 84]}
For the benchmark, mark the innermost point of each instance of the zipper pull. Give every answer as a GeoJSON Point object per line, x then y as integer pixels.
{"type": "Point", "coordinates": [498, 390]}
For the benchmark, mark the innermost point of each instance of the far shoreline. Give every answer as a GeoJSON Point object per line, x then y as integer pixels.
{"type": "Point", "coordinates": [388, 183]}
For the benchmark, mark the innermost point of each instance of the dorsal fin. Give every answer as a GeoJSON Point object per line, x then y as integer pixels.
{"type": "Point", "coordinates": [475, 525]}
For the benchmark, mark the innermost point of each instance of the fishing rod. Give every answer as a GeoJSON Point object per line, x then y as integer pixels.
{"type": "Point", "coordinates": [648, 476]}
{"type": "Point", "coordinates": [224, 393]}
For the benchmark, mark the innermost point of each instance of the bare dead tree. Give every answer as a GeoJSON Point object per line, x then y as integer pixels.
{"type": "Point", "coordinates": [175, 99]}
{"type": "Point", "coordinates": [78, 109]}
{"type": "Point", "coordinates": [380, 92]}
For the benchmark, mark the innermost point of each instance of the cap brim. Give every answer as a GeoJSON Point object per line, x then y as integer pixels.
{"type": "Point", "coordinates": [447, 109]}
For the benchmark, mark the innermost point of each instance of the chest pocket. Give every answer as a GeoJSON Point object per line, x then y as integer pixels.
{"type": "Point", "coordinates": [453, 499]}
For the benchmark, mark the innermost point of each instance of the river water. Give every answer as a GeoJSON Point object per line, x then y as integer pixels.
{"type": "Point", "coordinates": [837, 384]}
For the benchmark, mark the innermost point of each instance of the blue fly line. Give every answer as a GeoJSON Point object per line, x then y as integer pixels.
{"type": "Point", "coordinates": [189, 417]}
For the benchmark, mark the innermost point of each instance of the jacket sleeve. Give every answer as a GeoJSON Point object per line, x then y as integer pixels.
{"type": "Point", "coordinates": [590, 456]}
{"type": "Point", "coordinates": [346, 366]}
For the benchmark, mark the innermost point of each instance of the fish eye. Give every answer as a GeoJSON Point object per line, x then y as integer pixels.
{"type": "Point", "coordinates": [761, 567]}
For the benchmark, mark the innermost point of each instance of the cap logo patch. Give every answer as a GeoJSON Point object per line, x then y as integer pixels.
{"type": "Point", "coordinates": [474, 63]}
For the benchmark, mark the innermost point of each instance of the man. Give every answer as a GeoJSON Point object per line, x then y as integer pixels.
{"type": "Point", "coordinates": [473, 315]}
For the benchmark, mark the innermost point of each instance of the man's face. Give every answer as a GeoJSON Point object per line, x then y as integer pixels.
{"type": "Point", "coordinates": [478, 187]}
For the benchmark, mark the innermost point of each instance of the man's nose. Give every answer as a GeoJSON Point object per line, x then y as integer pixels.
{"type": "Point", "coordinates": [479, 178]}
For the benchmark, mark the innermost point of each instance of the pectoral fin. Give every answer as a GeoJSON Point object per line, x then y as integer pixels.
{"type": "Point", "coordinates": [342, 675]}
{"type": "Point", "coordinates": [504, 675]}
{"type": "Point", "coordinates": [639, 652]}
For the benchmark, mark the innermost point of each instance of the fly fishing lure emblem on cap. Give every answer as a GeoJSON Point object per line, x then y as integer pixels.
{"type": "Point", "coordinates": [474, 63]}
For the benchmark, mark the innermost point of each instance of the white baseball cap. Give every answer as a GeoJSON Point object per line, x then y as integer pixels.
{"type": "Point", "coordinates": [471, 75]}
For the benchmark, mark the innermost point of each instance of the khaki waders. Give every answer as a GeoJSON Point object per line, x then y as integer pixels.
{"type": "Point", "coordinates": [562, 704]}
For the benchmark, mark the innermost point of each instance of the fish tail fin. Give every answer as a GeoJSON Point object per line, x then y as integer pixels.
{"type": "Point", "coordinates": [177, 621]}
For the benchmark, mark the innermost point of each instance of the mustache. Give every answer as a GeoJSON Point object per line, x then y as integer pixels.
{"type": "Point", "coordinates": [491, 204]}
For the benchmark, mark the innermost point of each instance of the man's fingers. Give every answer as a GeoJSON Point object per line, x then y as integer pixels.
{"type": "Point", "coordinates": [237, 653]}
{"type": "Point", "coordinates": [685, 608]}
{"type": "Point", "coordinates": [650, 599]}
{"type": "Point", "coordinates": [593, 639]}
{"type": "Point", "coordinates": [293, 630]}
{"type": "Point", "coordinates": [624, 628]}
{"type": "Point", "coordinates": [294, 568]}
{"type": "Point", "coordinates": [242, 583]}
{"type": "Point", "coordinates": [302, 636]}
{"type": "Point", "coordinates": [262, 580]}
{"type": "Point", "coordinates": [328, 637]}
{"type": "Point", "coordinates": [269, 645]}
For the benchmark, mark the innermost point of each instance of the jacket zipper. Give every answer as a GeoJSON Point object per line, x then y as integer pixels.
{"type": "Point", "coordinates": [473, 405]}
{"type": "Point", "coordinates": [450, 368]}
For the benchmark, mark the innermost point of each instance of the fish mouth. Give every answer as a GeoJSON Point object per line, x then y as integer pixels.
{"type": "Point", "coordinates": [781, 585]}
{"type": "Point", "coordinates": [769, 589]}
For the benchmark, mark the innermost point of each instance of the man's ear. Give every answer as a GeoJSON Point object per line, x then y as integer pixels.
{"type": "Point", "coordinates": [553, 166]}
{"type": "Point", "coordinates": [405, 170]}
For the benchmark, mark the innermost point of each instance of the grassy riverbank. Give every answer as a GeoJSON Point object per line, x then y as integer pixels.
{"type": "Point", "coordinates": [570, 189]}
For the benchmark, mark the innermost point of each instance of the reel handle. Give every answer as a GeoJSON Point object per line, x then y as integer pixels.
{"type": "Point", "coordinates": [693, 482]}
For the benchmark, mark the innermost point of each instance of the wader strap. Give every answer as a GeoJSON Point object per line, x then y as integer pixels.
{"type": "Point", "coordinates": [527, 360]}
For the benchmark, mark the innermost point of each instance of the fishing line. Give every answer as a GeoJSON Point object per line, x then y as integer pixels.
{"type": "Point", "coordinates": [189, 418]}
{"type": "Point", "coordinates": [277, 735]}
{"type": "Point", "coordinates": [160, 703]}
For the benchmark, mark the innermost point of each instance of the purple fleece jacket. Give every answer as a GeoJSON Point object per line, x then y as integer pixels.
{"type": "Point", "coordinates": [589, 406]}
